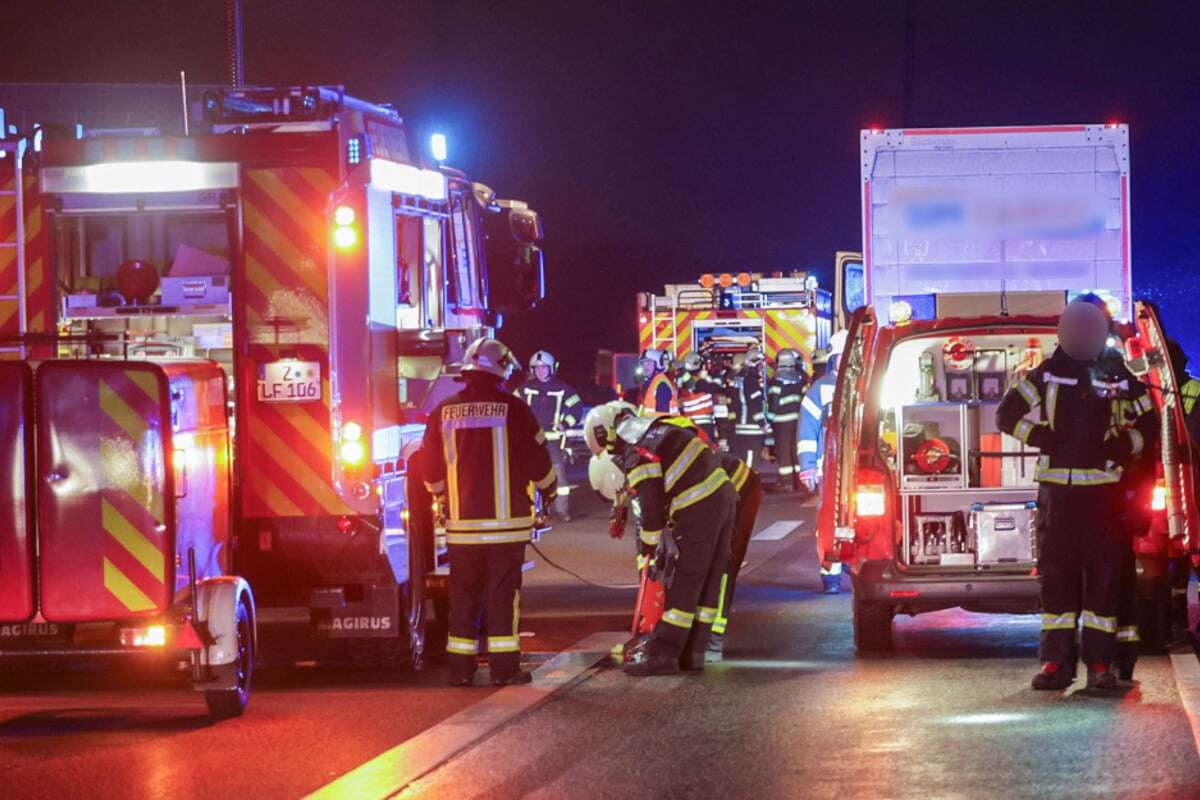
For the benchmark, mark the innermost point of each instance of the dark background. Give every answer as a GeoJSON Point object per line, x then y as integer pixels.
{"type": "Point", "coordinates": [663, 140]}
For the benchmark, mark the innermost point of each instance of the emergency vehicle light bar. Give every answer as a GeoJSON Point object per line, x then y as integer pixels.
{"type": "Point", "coordinates": [140, 177]}
{"type": "Point", "coordinates": [407, 179]}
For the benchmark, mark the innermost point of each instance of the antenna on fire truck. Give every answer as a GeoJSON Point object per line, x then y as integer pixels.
{"type": "Point", "coordinates": [183, 97]}
{"type": "Point", "coordinates": [233, 42]}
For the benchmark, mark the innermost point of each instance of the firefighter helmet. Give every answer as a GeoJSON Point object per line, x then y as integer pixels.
{"type": "Point", "coordinates": [755, 357]}
{"type": "Point", "coordinates": [491, 356]}
{"type": "Point", "coordinates": [659, 358]}
{"type": "Point", "coordinates": [787, 359]}
{"type": "Point", "coordinates": [543, 359]}
{"type": "Point", "coordinates": [600, 425]}
{"type": "Point", "coordinates": [692, 362]}
{"type": "Point", "coordinates": [605, 476]}
{"type": "Point", "coordinates": [1082, 330]}
{"type": "Point", "coordinates": [737, 362]}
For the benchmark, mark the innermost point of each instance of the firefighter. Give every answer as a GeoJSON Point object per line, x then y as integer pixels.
{"type": "Point", "coordinates": [813, 411]}
{"type": "Point", "coordinates": [784, 395]}
{"type": "Point", "coordinates": [483, 449]}
{"type": "Point", "coordinates": [744, 383]}
{"type": "Point", "coordinates": [687, 507]}
{"type": "Point", "coordinates": [696, 394]}
{"type": "Point", "coordinates": [1079, 467]}
{"type": "Point", "coordinates": [556, 406]}
{"type": "Point", "coordinates": [659, 393]}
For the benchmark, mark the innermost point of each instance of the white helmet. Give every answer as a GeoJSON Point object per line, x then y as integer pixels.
{"type": "Point", "coordinates": [543, 359]}
{"type": "Point", "coordinates": [659, 358]}
{"type": "Point", "coordinates": [692, 361]}
{"type": "Point", "coordinates": [787, 359]}
{"type": "Point", "coordinates": [605, 476]}
{"type": "Point", "coordinates": [837, 343]}
{"type": "Point", "coordinates": [491, 356]}
{"type": "Point", "coordinates": [600, 426]}
{"type": "Point", "coordinates": [755, 357]}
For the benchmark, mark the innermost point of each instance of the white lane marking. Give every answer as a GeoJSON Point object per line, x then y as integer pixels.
{"type": "Point", "coordinates": [776, 530]}
{"type": "Point", "coordinates": [1187, 681]}
{"type": "Point", "coordinates": [388, 773]}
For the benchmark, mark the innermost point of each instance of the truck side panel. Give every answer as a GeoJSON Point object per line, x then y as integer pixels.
{"type": "Point", "coordinates": [16, 523]}
{"type": "Point", "coordinates": [105, 505]}
{"type": "Point", "coordinates": [284, 448]}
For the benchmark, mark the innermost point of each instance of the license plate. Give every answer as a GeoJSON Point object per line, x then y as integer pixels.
{"type": "Point", "coordinates": [289, 382]}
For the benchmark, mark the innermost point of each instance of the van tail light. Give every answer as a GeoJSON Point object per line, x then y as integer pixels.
{"type": "Point", "coordinates": [1158, 500]}
{"type": "Point", "coordinates": [870, 500]}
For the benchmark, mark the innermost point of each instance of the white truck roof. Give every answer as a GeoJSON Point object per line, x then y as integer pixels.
{"type": "Point", "coordinates": [975, 210]}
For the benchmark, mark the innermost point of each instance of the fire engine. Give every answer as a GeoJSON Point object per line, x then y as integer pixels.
{"type": "Point", "coordinates": [220, 352]}
{"type": "Point", "coordinates": [974, 241]}
{"type": "Point", "coordinates": [727, 314]}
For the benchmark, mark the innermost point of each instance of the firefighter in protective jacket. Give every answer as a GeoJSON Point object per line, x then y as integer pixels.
{"type": "Point", "coordinates": [1070, 407]}
{"type": "Point", "coordinates": [784, 395]}
{"type": "Point", "coordinates": [556, 406]}
{"type": "Point", "coordinates": [659, 393]}
{"type": "Point", "coordinates": [688, 509]}
{"type": "Point", "coordinates": [483, 449]}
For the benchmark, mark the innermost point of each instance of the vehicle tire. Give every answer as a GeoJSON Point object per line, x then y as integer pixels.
{"type": "Point", "coordinates": [229, 703]}
{"type": "Point", "coordinates": [1154, 618]}
{"type": "Point", "coordinates": [872, 627]}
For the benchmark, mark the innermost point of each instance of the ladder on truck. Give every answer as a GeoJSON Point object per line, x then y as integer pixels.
{"type": "Point", "coordinates": [688, 298]}
{"type": "Point", "coordinates": [12, 157]}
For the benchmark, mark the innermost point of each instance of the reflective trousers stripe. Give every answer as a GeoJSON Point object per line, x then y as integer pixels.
{"type": "Point", "coordinates": [1128, 633]}
{"type": "Point", "coordinates": [1058, 622]}
{"type": "Point", "coordinates": [706, 615]}
{"type": "Point", "coordinates": [1098, 623]}
{"type": "Point", "coordinates": [722, 619]}
{"type": "Point", "coordinates": [503, 644]}
{"type": "Point", "coordinates": [461, 646]}
{"type": "Point", "coordinates": [680, 619]}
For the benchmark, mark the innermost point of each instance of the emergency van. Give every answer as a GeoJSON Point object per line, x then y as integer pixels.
{"type": "Point", "coordinates": [974, 240]}
{"type": "Point", "coordinates": [221, 349]}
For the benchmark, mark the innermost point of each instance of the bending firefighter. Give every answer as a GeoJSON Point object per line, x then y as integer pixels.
{"type": "Point", "coordinates": [1067, 408]}
{"type": "Point", "coordinates": [688, 509]}
{"type": "Point", "coordinates": [482, 450]}
{"type": "Point", "coordinates": [555, 405]}
{"type": "Point", "coordinates": [813, 411]}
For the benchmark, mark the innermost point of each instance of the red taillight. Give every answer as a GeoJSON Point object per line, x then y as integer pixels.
{"type": "Point", "coordinates": [345, 524]}
{"type": "Point", "coordinates": [870, 500]}
{"type": "Point", "coordinates": [1158, 500]}
{"type": "Point", "coordinates": [903, 593]}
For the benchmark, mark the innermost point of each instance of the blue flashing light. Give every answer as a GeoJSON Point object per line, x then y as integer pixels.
{"type": "Point", "coordinates": [437, 144]}
{"type": "Point", "coordinates": [354, 150]}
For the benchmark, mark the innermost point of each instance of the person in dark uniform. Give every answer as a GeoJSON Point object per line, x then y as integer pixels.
{"type": "Point", "coordinates": [785, 392]}
{"type": "Point", "coordinates": [483, 449]}
{"type": "Point", "coordinates": [1066, 408]}
{"type": "Point", "coordinates": [557, 407]}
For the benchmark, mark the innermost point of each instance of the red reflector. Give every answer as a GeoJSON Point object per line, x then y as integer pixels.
{"type": "Point", "coordinates": [264, 541]}
{"type": "Point", "coordinates": [188, 639]}
{"type": "Point", "coordinates": [345, 524]}
{"type": "Point", "coordinates": [905, 594]}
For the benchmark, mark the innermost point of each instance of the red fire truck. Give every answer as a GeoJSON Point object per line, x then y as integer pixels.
{"type": "Point", "coordinates": [279, 301]}
{"type": "Point", "coordinates": [974, 241]}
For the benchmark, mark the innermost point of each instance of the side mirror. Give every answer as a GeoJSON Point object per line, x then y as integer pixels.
{"type": "Point", "coordinates": [516, 265]}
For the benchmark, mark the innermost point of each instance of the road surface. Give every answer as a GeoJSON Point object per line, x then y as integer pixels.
{"type": "Point", "coordinates": [792, 712]}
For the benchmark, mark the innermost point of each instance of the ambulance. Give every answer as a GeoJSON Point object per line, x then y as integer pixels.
{"type": "Point", "coordinates": [974, 240]}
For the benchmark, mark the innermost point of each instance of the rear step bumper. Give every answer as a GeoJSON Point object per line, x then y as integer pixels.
{"type": "Point", "coordinates": [881, 582]}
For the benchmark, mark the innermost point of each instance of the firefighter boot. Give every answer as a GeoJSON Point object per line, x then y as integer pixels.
{"type": "Point", "coordinates": [516, 679]}
{"type": "Point", "coordinates": [1100, 676]}
{"type": "Point", "coordinates": [1054, 677]}
{"type": "Point", "coordinates": [714, 652]}
{"type": "Point", "coordinates": [643, 663]}
{"type": "Point", "coordinates": [695, 652]}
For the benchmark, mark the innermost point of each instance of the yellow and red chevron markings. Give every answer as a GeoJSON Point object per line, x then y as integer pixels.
{"type": "Point", "coordinates": [285, 449]}
{"type": "Point", "coordinates": [39, 290]}
{"type": "Point", "coordinates": [782, 328]}
{"type": "Point", "coordinates": [131, 501]}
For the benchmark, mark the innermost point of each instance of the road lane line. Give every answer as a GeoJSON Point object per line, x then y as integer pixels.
{"type": "Point", "coordinates": [388, 773]}
{"type": "Point", "coordinates": [777, 530]}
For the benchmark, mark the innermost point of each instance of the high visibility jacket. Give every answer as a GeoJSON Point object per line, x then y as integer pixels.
{"type": "Point", "coordinates": [669, 469]}
{"type": "Point", "coordinates": [696, 401]}
{"type": "Point", "coordinates": [660, 396]}
{"type": "Point", "coordinates": [785, 392]}
{"type": "Point", "coordinates": [483, 448]}
{"type": "Point", "coordinates": [1093, 418]}
{"type": "Point", "coordinates": [1191, 406]}
{"type": "Point", "coordinates": [814, 408]}
{"type": "Point", "coordinates": [747, 402]}
{"type": "Point", "coordinates": [734, 467]}
{"type": "Point", "coordinates": [555, 405]}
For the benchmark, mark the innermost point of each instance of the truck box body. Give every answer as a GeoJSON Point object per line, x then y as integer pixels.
{"type": "Point", "coordinates": [985, 210]}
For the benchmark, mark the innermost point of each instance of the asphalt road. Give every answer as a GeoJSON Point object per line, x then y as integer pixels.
{"type": "Point", "coordinates": [792, 712]}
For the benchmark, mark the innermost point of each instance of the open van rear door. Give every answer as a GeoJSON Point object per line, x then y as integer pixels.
{"type": "Point", "coordinates": [16, 492]}
{"type": "Point", "coordinates": [1179, 454]}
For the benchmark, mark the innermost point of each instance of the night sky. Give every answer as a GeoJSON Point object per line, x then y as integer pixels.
{"type": "Point", "coordinates": [664, 140]}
